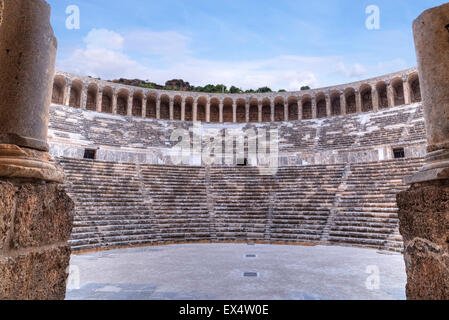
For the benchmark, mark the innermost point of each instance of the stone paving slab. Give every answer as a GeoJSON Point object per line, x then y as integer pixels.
{"type": "Point", "coordinates": [215, 272]}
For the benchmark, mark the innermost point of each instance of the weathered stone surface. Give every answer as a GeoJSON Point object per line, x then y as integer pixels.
{"type": "Point", "coordinates": [43, 216]}
{"type": "Point", "coordinates": [7, 192]}
{"type": "Point", "coordinates": [27, 60]}
{"type": "Point", "coordinates": [424, 225]}
{"type": "Point", "coordinates": [35, 275]}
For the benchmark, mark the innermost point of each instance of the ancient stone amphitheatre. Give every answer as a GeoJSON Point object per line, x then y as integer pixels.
{"type": "Point", "coordinates": [191, 195]}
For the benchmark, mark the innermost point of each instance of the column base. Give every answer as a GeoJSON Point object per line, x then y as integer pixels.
{"type": "Point", "coordinates": [18, 162]}
{"type": "Point", "coordinates": [424, 225]}
{"type": "Point", "coordinates": [436, 168]}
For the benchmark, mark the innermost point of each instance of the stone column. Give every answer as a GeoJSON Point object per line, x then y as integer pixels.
{"type": "Point", "coordinates": [328, 105]}
{"type": "Point", "coordinates": [358, 101]}
{"type": "Point", "coordinates": [272, 108]}
{"type": "Point", "coordinates": [35, 212]}
{"type": "Point", "coordinates": [83, 97]}
{"type": "Point", "coordinates": [234, 112]}
{"type": "Point", "coordinates": [300, 116]}
{"type": "Point", "coordinates": [172, 108]}
{"type": "Point", "coordinates": [221, 111]}
{"type": "Point", "coordinates": [129, 110]}
{"type": "Point", "coordinates": [183, 110]}
{"type": "Point", "coordinates": [343, 103]}
{"type": "Point", "coordinates": [247, 111]}
{"type": "Point", "coordinates": [407, 97]}
{"type": "Point", "coordinates": [390, 94]}
{"type": "Point", "coordinates": [68, 93]}
{"type": "Point", "coordinates": [286, 111]}
{"type": "Point", "coordinates": [424, 208]}
{"type": "Point", "coordinates": [195, 111]}
{"type": "Point", "coordinates": [314, 111]}
{"type": "Point", "coordinates": [144, 106]}
{"type": "Point", "coordinates": [375, 97]}
{"type": "Point", "coordinates": [99, 99]}
{"type": "Point", "coordinates": [208, 111]}
{"type": "Point", "coordinates": [158, 108]}
{"type": "Point", "coordinates": [259, 111]}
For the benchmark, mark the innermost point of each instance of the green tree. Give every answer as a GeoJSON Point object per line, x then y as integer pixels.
{"type": "Point", "coordinates": [305, 88]}
{"type": "Point", "coordinates": [264, 90]}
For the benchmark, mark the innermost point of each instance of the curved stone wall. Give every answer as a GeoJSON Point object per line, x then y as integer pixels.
{"type": "Point", "coordinates": [363, 96]}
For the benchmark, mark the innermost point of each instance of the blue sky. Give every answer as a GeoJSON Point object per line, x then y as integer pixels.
{"type": "Point", "coordinates": [283, 44]}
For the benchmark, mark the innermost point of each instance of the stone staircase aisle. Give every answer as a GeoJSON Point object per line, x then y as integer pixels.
{"type": "Point", "coordinates": [367, 213]}
{"type": "Point", "coordinates": [110, 209]}
{"type": "Point", "coordinates": [178, 202]}
{"type": "Point", "coordinates": [305, 197]}
{"type": "Point", "coordinates": [242, 203]}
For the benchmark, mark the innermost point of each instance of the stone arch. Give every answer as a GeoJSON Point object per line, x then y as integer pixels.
{"type": "Point", "coordinates": [59, 87]}
{"type": "Point", "coordinates": [266, 110]}
{"type": "Point", "coordinates": [335, 100]}
{"type": "Point", "coordinates": [201, 109]}
{"type": "Point", "coordinates": [137, 104]}
{"type": "Point", "coordinates": [122, 102]}
{"type": "Point", "coordinates": [106, 100]}
{"type": "Point", "coordinates": [321, 105]}
{"type": "Point", "coordinates": [415, 88]}
{"type": "Point", "coordinates": [397, 86]}
{"type": "Point", "coordinates": [279, 112]}
{"type": "Point", "coordinates": [215, 110]}
{"type": "Point", "coordinates": [351, 103]}
{"type": "Point", "coordinates": [293, 108]}
{"type": "Point", "coordinates": [228, 115]}
{"type": "Point", "coordinates": [254, 110]}
{"type": "Point", "coordinates": [165, 107]}
{"type": "Point", "coordinates": [382, 94]}
{"type": "Point", "coordinates": [306, 102]}
{"type": "Point", "coordinates": [241, 111]}
{"type": "Point", "coordinates": [151, 111]}
{"type": "Point", "coordinates": [92, 93]}
{"type": "Point", "coordinates": [75, 94]}
{"type": "Point", "coordinates": [177, 106]}
{"type": "Point", "coordinates": [366, 97]}
{"type": "Point", "coordinates": [189, 109]}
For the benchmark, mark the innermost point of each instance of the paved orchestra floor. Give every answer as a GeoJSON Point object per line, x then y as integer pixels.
{"type": "Point", "coordinates": [217, 271]}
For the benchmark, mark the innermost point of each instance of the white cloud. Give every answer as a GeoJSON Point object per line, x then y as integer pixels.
{"type": "Point", "coordinates": [107, 54]}
{"type": "Point", "coordinates": [104, 39]}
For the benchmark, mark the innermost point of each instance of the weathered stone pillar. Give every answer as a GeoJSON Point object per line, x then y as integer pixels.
{"type": "Point", "coordinates": [172, 108]}
{"type": "Point", "coordinates": [83, 98]}
{"type": "Point", "coordinates": [299, 109]}
{"type": "Point", "coordinates": [328, 105]}
{"type": "Point", "coordinates": [424, 208]}
{"type": "Point", "coordinates": [234, 112]}
{"type": "Point", "coordinates": [183, 109]}
{"type": "Point", "coordinates": [343, 103]}
{"type": "Point", "coordinates": [358, 101]}
{"type": "Point", "coordinates": [272, 110]}
{"type": "Point", "coordinates": [390, 94]}
{"type": "Point", "coordinates": [114, 102]}
{"type": "Point", "coordinates": [99, 99]}
{"type": "Point", "coordinates": [158, 108]}
{"type": "Point", "coordinates": [129, 109]}
{"type": "Point", "coordinates": [314, 111]}
{"type": "Point", "coordinates": [68, 93]}
{"type": "Point", "coordinates": [407, 97]}
{"type": "Point", "coordinates": [208, 111]}
{"type": "Point", "coordinates": [221, 111]}
{"type": "Point", "coordinates": [144, 106]}
{"type": "Point", "coordinates": [259, 111]}
{"type": "Point", "coordinates": [375, 97]}
{"type": "Point", "coordinates": [285, 111]}
{"type": "Point", "coordinates": [35, 212]}
{"type": "Point", "coordinates": [247, 111]}
{"type": "Point", "coordinates": [195, 111]}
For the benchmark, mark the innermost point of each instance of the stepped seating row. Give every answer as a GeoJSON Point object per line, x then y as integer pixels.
{"type": "Point", "coordinates": [366, 213]}
{"type": "Point", "coordinates": [385, 127]}
{"type": "Point", "coordinates": [119, 204]}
